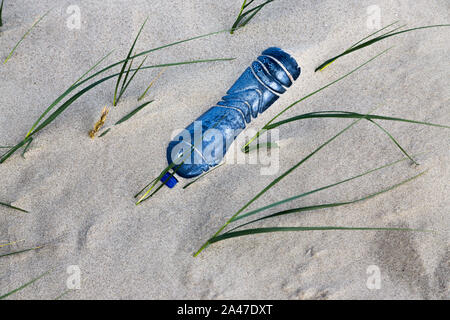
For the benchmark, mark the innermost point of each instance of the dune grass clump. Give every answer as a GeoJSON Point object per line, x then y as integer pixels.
{"type": "Point", "coordinates": [73, 86]}
{"type": "Point", "coordinates": [43, 122]}
{"type": "Point", "coordinates": [363, 44]}
{"type": "Point", "coordinates": [220, 235]}
{"type": "Point", "coordinates": [75, 97]}
{"type": "Point", "coordinates": [244, 17]}
{"type": "Point", "coordinates": [320, 206]}
{"type": "Point", "coordinates": [25, 35]}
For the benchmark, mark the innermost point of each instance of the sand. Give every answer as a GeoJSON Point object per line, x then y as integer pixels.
{"type": "Point", "coordinates": [80, 191]}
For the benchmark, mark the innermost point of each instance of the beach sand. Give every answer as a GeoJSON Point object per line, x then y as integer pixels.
{"type": "Point", "coordinates": [80, 191]}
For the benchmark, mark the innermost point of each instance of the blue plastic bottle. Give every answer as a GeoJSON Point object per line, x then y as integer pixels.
{"type": "Point", "coordinates": [196, 150]}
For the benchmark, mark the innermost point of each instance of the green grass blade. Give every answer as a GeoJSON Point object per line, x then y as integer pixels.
{"type": "Point", "coordinates": [153, 184]}
{"type": "Point", "coordinates": [266, 145]}
{"type": "Point", "coordinates": [177, 43]}
{"type": "Point", "coordinates": [1, 12]}
{"type": "Point", "coordinates": [12, 207]}
{"type": "Point", "coordinates": [234, 27]}
{"type": "Point", "coordinates": [349, 115]}
{"type": "Point", "coordinates": [26, 147]}
{"type": "Point", "coordinates": [246, 21]}
{"type": "Point", "coordinates": [238, 19]}
{"type": "Point", "coordinates": [126, 75]}
{"type": "Point", "coordinates": [365, 38]}
{"type": "Point", "coordinates": [24, 286]}
{"type": "Point", "coordinates": [13, 150]}
{"type": "Point", "coordinates": [126, 61]}
{"type": "Point", "coordinates": [25, 35]}
{"type": "Point", "coordinates": [185, 63]}
{"type": "Point", "coordinates": [276, 181]}
{"type": "Point", "coordinates": [59, 99]}
{"type": "Point", "coordinates": [203, 175]}
{"type": "Point", "coordinates": [252, 12]}
{"type": "Point", "coordinates": [63, 294]}
{"type": "Point", "coordinates": [372, 34]}
{"type": "Point", "coordinates": [144, 188]}
{"type": "Point", "coordinates": [310, 95]}
{"type": "Point", "coordinates": [245, 5]}
{"type": "Point", "coordinates": [104, 133]}
{"type": "Point", "coordinates": [395, 29]}
{"type": "Point", "coordinates": [394, 141]}
{"type": "Point", "coordinates": [372, 41]}
{"type": "Point", "coordinates": [330, 205]}
{"type": "Point", "coordinates": [18, 252]}
{"type": "Point", "coordinates": [148, 194]}
{"type": "Point", "coordinates": [151, 84]}
{"type": "Point", "coordinates": [278, 203]}
{"type": "Point", "coordinates": [93, 67]}
{"type": "Point", "coordinates": [257, 8]}
{"type": "Point", "coordinates": [132, 113]}
{"type": "Point", "coordinates": [124, 88]}
{"type": "Point", "coordinates": [153, 50]}
{"type": "Point", "coordinates": [292, 229]}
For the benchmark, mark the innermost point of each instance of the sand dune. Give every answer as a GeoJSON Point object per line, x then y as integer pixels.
{"type": "Point", "coordinates": [80, 191]}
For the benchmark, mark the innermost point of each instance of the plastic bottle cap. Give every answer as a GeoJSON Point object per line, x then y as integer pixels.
{"type": "Point", "coordinates": [171, 180]}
